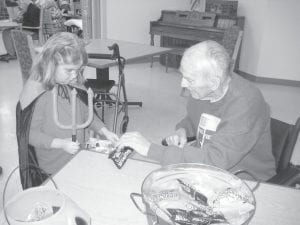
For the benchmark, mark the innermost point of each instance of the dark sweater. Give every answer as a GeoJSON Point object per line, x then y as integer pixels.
{"type": "Point", "coordinates": [242, 139]}
{"type": "Point", "coordinates": [31, 17]}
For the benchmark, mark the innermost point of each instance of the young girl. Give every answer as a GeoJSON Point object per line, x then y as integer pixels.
{"type": "Point", "coordinates": [60, 63]}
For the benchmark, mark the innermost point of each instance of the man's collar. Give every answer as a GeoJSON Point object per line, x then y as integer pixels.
{"type": "Point", "coordinates": [224, 91]}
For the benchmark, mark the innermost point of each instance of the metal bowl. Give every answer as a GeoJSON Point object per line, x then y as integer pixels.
{"type": "Point", "coordinates": [193, 194]}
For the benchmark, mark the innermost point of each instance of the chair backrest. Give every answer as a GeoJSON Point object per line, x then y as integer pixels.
{"type": "Point", "coordinates": [37, 30]}
{"type": "Point", "coordinates": [25, 51]}
{"type": "Point", "coordinates": [231, 41]}
{"type": "Point", "coordinates": [284, 137]}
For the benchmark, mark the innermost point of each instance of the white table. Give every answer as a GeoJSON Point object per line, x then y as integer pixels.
{"type": "Point", "coordinates": [102, 190]}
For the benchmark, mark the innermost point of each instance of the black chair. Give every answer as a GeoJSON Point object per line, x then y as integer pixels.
{"type": "Point", "coordinates": [284, 138]}
{"type": "Point", "coordinates": [101, 89]}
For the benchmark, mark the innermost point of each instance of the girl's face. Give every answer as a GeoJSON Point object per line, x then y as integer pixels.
{"type": "Point", "coordinates": [68, 73]}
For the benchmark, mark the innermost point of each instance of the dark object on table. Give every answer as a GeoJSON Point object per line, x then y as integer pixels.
{"type": "Point", "coordinates": [120, 157]}
{"type": "Point", "coordinates": [0, 170]}
{"type": "Point", "coordinates": [189, 139]}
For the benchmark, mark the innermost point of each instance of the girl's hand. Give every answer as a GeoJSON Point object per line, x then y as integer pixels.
{"type": "Point", "coordinates": [109, 135]}
{"type": "Point", "coordinates": [66, 144]}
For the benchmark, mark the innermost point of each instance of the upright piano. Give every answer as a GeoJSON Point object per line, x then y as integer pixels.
{"type": "Point", "coordinates": [181, 29]}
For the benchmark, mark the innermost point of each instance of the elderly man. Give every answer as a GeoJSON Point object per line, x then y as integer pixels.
{"type": "Point", "coordinates": [227, 114]}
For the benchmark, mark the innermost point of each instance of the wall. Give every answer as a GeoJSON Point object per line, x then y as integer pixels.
{"type": "Point", "coordinates": [271, 46]}
{"type": "Point", "coordinates": [129, 20]}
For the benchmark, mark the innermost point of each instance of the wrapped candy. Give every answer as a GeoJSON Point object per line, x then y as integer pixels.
{"type": "Point", "coordinates": [119, 157]}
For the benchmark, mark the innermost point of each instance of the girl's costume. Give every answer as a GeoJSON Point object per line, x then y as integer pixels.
{"type": "Point", "coordinates": [35, 100]}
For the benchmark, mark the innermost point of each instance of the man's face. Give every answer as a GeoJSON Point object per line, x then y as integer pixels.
{"type": "Point", "coordinates": [199, 86]}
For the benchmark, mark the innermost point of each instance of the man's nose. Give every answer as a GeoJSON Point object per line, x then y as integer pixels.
{"type": "Point", "coordinates": [184, 83]}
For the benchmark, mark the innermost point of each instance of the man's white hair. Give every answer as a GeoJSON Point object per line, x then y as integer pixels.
{"type": "Point", "coordinates": [208, 58]}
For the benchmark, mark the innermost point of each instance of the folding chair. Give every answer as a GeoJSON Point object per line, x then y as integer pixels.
{"type": "Point", "coordinates": [25, 51]}
{"type": "Point", "coordinates": [103, 95]}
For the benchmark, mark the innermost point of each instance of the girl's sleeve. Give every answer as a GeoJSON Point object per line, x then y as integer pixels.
{"type": "Point", "coordinates": [37, 137]}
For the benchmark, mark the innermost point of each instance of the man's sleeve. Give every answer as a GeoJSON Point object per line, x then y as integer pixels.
{"type": "Point", "coordinates": [187, 124]}
{"type": "Point", "coordinates": [234, 139]}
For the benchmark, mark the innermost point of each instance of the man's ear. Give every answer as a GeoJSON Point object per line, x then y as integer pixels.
{"type": "Point", "coordinates": [215, 83]}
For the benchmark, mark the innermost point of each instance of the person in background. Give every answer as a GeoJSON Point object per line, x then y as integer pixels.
{"type": "Point", "coordinates": [16, 10]}
{"type": "Point", "coordinates": [12, 7]}
{"type": "Point", "coordinates": [61, 64]}
{"type": "Point", "coordinates": [29, 16]}
{"type": "Point", "coordinates": [53, 19]}
{"type": "Point", "coordinates": [64, 5]}
{"type": "Point", "coordinates": [226, 113]}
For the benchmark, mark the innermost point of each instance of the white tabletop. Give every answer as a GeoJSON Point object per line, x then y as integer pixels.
{"type": "Point", "coordinates": [102, 190]}
{"type": "Point", "coordinates": [130, 51]}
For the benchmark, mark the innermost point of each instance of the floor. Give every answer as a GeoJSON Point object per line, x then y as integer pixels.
{"type": "Point", "coordinates": [162, 108]}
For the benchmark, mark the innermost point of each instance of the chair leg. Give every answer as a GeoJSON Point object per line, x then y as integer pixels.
{"type": "Point", "coordinates": [167, 61]}
{"type": "Point", "coordinates": [151, 64]}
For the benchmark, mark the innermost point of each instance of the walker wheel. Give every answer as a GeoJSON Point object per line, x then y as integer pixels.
{"type": "Point", "coordinates": [124, 124]}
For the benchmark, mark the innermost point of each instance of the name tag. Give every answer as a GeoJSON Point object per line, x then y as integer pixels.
{"type": "Point", "coordinates": [209, 122]}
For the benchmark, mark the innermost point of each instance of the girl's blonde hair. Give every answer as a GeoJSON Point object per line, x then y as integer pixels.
{"type": "Point", "coordinates": [61, 48]}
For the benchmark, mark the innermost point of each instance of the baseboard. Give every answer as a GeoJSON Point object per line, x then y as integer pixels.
{"type": "Point", "coordinates": [267, 80]}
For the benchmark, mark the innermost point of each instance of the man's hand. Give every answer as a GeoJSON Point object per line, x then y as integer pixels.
{"type": "Point", "coordinates": [66, 144]}
{"type": "Point", "coordinates": [109, 135]}
{"type": "Point", "coordinates": [178, 138]}
{"type": "Point", "coordinates": [136, 141]}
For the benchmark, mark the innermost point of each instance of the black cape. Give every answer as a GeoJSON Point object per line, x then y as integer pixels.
{"type": "Point", "coordinates": [30, 173]}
